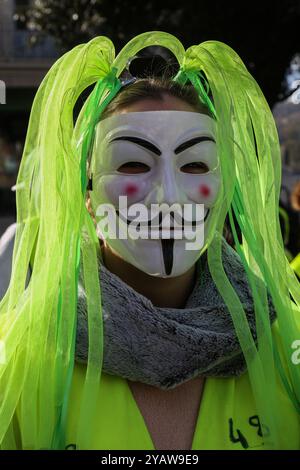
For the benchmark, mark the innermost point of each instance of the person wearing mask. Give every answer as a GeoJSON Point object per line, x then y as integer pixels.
{"type": "Point", "coordinates": [127, 328]}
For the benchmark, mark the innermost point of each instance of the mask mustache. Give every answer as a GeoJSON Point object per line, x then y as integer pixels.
{"type": "Point", "coordinates": [158, 221]}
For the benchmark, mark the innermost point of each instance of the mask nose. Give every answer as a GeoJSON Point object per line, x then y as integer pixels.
{"type": "Point", "coordinates": [165, 187]}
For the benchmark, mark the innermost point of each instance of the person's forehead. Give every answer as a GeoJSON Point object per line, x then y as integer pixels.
{"type": "Point", "coordinates": [161, 125]}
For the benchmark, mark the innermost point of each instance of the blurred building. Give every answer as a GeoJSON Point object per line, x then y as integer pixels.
{"type": "Point", "coordinates": [287, 118]}
{"type": "Point", "coordinates": [22, 68]}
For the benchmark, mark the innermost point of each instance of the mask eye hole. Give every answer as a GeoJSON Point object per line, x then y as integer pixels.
{"type": "Point", "coordinates": [133, 168]}
{"type": "Point", "coordinates": [195, 168]}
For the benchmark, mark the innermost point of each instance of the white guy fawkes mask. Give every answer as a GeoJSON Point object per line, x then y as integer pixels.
{"type": "Point", "coordinates": [155, 157]}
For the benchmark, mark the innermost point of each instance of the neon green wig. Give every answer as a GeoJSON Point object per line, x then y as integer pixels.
{"type": "Point", "coordinates": [55, 232]}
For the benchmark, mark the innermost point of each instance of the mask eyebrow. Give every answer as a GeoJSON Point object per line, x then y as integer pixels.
{"type": "Point", "coordinates": [137, 140]}
{"type": "Point", "coordinates": [191, 142]}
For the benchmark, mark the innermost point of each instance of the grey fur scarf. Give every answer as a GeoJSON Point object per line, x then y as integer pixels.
{"type": "Point", "coordinates": [165, 347]}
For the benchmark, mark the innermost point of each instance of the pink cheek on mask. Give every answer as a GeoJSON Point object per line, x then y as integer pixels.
{"type": "Point", "coordinates": [204, 190]}
{"type": "Point", "coordinates": [130, 189]}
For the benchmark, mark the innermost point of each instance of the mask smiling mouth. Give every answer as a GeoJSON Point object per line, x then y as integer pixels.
{"type": "Point", "coordinates": [192, 224]}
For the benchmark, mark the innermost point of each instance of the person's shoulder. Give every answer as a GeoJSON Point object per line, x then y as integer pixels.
{"type": "Point", "coordinates": [289, 357]}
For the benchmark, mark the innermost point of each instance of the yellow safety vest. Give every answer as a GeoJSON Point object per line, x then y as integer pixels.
{"type": "Point", "coordinates": [295, 264]}
{"type": "Point", "coordinates": [227, 418]}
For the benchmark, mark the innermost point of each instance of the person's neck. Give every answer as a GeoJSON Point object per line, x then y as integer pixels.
{"type": "Point", "coordinates": [171, 292]}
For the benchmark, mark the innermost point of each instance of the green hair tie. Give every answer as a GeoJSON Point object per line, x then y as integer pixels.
{"type": "Point", "coordinates": [183, 76]}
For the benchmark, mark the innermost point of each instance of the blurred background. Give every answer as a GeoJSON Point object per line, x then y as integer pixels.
{"type": "Point", "coordinates": [34, 33]}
